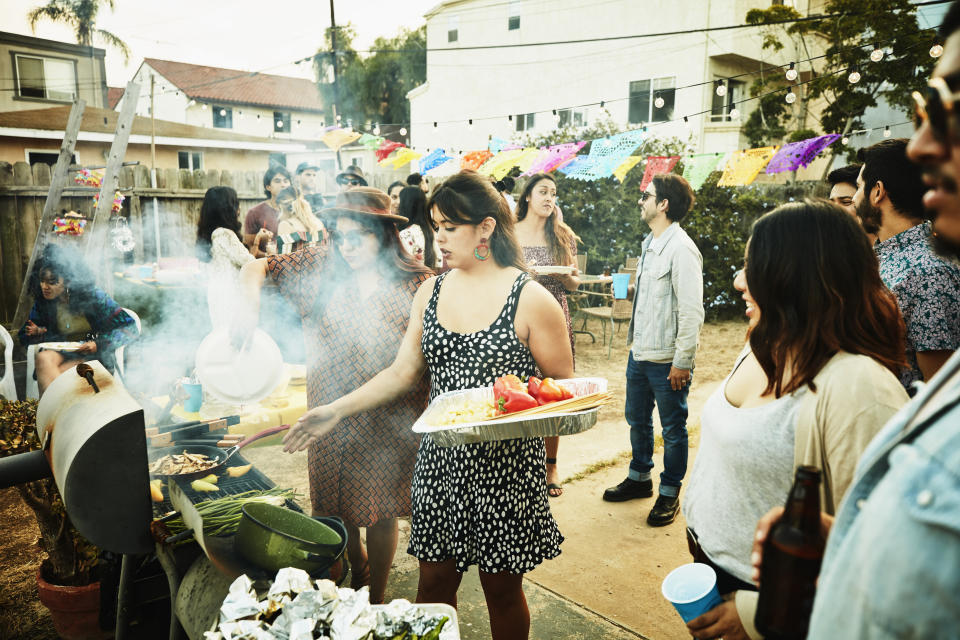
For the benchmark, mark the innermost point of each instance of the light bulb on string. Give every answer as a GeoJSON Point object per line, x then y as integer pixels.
{"type": "Point", "coordinates": [791, 97]}
{"type": "Point", "coordinates": [721, 88]}
{"type": "Point", "coordinates": [434, 125]}
{"type": "Point", "coordinates": [510, 118]}
{"type": "Point", "coordinates": [792, 72]}
{"type": "Point", "coordinates": [844, 140]}
{"type": "Point", "coordinates": [204, 107]}
{"type": "Point", "coordinates": [403, 131]}
{"type": "Point", "coordinates": [854, 76]}
{"type": "Point", "coordinates": [877, 54]}
{"type": "Point", "coordinates": [601, 104]}
{"type": "Point", "coordinates": [886, 132]}
{"type": "Point", "coordinates": [936, 51]}
{"type": "Point", "coordinates": [470, 124]}
{"type": "Point", "coordinates": [223, 113]}
{"type": "Point", "coordinates": [658, 102]}
{"type": "Point", "coordinates": [734, 114]}
{"type": "Point", "coordinates": [376, 129]}
{"type": "Point", "coordinates": [279, 124]}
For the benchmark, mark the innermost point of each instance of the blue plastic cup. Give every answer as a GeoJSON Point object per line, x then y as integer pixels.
{"type": "Point", "coordinates": [620, 283]}
{"type": "Point", "coordinates": [692, 590]}
{"type": "Point", "coordinates": [194, 399]}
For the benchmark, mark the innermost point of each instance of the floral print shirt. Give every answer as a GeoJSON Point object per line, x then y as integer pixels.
{"type": "Point", "coordinates": [928, 292]}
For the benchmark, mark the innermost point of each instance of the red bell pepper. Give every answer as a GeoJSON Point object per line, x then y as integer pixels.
{"type": "Point", "coordinates": [510, 395]}
{"type": "Point", "coordinates": [533, 386]}
{"type": "Point", "coordinates": [550, 391]}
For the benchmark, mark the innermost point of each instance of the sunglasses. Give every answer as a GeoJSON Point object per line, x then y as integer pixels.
{"type": "Point", "coordinates": [936, 106]}
{"type": "Point", "coordinates": [353, 182]}
{"type": "Point", "coordinates": [351, 238]}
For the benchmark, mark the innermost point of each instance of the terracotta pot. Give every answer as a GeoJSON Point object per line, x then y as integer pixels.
{"type": "Point", "coordinates": [75, 610]}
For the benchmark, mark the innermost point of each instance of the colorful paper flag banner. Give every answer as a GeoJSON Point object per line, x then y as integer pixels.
{"type": "Point", "coordinates": [386, 148]}
{"type": "Point", "coordinates": [403, 156]}
{"type": "Point", "coordinates": [620, 145]}
{"type": "Point", "coordinates": [800, 154]}
{"type": "Point", "coordinates": [743, 166]}
{"type": "Point", "coordinates": [655, 165]}
{"type": "Point", "coordinates": [625, 166]}
{"type": "Point", "coordinates": [496, 145]}
{"type": "Point", "coordinates": [592, 168]}
{"type": "Point", "coordinates": [339, 137]}
{"type": "Point", "coordinates": [501, 164]}
{"type": "Point", "coordinates": [474, 160]}
{"type": "Point", "coordinates": [551, 158]}
{"type": "Point", "coordinates": [370, 141]}
{"type": "Point", "coordinates": [698, 167]}
{"type": "Point", "coordinates": [433, 159]}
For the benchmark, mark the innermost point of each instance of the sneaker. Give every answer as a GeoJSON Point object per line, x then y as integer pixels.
{"type": "Point", "coordinates": [664, 511]}
{"type": "Point", "coordinates": [628, 490]}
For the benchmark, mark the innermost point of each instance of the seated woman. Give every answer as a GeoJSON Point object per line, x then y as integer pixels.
{"type": "Point", "coordinates": [418, 236]}
{"type": "Point", "coordinates": [296, 217]}
{"type": "Point", "coordinates": [815, 383]}
{"type": "Point", "coordinates": [69, 308]}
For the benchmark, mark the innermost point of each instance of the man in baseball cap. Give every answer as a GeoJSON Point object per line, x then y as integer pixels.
{"type": "Point", "coordinates": [307, 178]}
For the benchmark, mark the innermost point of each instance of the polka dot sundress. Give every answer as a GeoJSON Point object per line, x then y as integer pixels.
{"type": "Point", "coordinates": [481, 504]}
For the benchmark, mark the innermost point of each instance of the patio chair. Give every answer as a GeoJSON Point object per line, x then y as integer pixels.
{"type": "Point", "coordinates": [8, 387]}
{"type": "Point", "coordinates": [616, 315]}
{"type": "Point", "coordinates": [32, 390]}
{"type": "Point", "coordinates": [631, 263]}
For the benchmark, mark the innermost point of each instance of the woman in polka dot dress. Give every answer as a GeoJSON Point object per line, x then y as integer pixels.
{"type": "Point", "coordinates": [483, 503]}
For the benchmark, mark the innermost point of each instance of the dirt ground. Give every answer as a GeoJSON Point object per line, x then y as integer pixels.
{"type": "Point", "coordinates": [618, 581]}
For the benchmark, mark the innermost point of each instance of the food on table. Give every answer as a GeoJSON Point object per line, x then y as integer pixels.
{"type": "Point", "coordinates": [468, 411]}
{"type": "Point", "coordinates": [176, 464]}
{"type": "Point", "coordinates": [203, 486]}
{"type": "Point", "coordinates": [221, 517]}
{"type": "Point", "coordinates": [236, 472]}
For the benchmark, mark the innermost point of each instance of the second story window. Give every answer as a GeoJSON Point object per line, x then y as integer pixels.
{"type": "Point", "coordinates": [574, 117]}
{"type": "Point", "coordinates": [453, 27]}
{"type": "Point", "coordinates": [513, 17]}
{"type": "Point", "coordinates": [222, 117]}
{"type": "Point", "coordinates": [652, 100]}
{"type": "Point", "coordinates": [722, 105]}
{"type": "Point", "coordinates": [525, 121]}
{"type": "Point", "coordinates": [46, 78]}
{"type": "Point", "coordinates": [281, 122]}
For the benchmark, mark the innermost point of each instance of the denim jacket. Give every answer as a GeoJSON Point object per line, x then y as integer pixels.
{"type": "Point", "coordinates": [892, 565]}
{"type": "Point", "coordinates": [668, 303]}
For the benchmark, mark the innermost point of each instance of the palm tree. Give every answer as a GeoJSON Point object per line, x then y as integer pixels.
{"type": "Point", "coordinates": [81, 15]}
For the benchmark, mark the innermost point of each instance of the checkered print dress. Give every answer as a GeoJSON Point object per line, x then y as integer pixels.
{"type": "Point", "coordinates": [483, 503]}
{"type": "Point", "coordinates": [362, 470]}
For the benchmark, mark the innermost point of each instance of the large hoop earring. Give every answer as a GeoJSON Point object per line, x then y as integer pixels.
{"type": "Point", "coordinates": [482, 251]}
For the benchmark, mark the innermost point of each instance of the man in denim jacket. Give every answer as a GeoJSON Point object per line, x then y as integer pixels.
{"type": "Point", "coordinates": [667, 317]}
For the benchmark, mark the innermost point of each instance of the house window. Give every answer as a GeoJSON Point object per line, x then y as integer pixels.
{"type": "Point", "coordinates": [46, 78]}
{"type": "Point", "coordinates": [281, 122]}
{"type": "Point", "coordinates": [525, 121]}
{"type": "Point", "coordinates": [222, 117]}
{"type": "Point", "coordinates": [190, 160]}
{"type": "Point", "coordinates": [574, 117]}
{"type": "Point", "coordinates": [513, 17]}
{"type": "Point", "coordinates": [453, 25]}
{"type": "Point", "coordinates": [47, 157]}
{"type": "Point", "coordinates": [723, 105]}
{"type": "Point", "coordinates": [643, 100]}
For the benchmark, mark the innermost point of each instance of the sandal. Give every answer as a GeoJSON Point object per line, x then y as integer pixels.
{"type": "Point", "coordinates": [554, 490]}
{"type": "Point", "coordinates": [359, 577]}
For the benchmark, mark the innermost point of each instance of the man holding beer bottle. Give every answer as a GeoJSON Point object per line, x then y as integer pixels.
{"type": "Point", "coordinates": [891, 564]}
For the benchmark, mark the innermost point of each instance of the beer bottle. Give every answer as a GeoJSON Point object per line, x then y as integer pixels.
{"type": "Point", "coordinates": [791, 562]}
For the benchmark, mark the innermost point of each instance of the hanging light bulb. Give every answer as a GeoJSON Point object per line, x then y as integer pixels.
{"type": "Point", "coordinates": [936, 51]}
{"type": "Point", "coordinates": [721, 88]}
{"type": "Point", "coordinates": [792, 72]}
{"type": "Point", "coordinates": [376, 129]}
{"type": "Point", "coordinates": [791, 97]}
{"type": "Point", "coordinates": [434, 125]}
{"type": "Point", "coordinates": [240, 114]}
{"type": "Point", "coordinates": [223, 113]}
{"type": "Point", "coordinates": [844, 140]}
{"type": "Point", "coordinates": [510, 118]}
{"type": "Point", "coordinates": [279, 124]}
{"type": "Point", "coordinates": [658, 102]}
{"type": "Point", "coordinates": [204, 107]}
{"type": "Point", "coordinates": [734, 114]}
{"type": "Point", "coordinates": [854, 76]}
{"type": "Point", "coordinates": [601, 104]}
{"type": "Point", "coordinates": [403, 131]}
{"type": "Point", "coordinates": [877, 54]}
{"type": "Point", "coordinates": [470, 124]}
{"type": "Point", "coordinates": [886, 132]}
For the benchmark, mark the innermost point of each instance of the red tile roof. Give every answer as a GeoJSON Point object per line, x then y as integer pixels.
{"type": "Point", "coordinates": [213, 84]}
{"type": "Point", "coordinates": [114, 94]}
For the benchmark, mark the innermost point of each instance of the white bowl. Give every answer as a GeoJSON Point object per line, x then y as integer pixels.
{"type": "Point", "coordinates": [239, 376]}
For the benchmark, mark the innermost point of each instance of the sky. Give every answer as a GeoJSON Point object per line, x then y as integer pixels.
{"type": "Point", "coordinates": [252, 35]}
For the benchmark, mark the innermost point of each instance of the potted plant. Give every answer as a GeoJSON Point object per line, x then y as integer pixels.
{"type": "Point", "coordinates": [67, 579]}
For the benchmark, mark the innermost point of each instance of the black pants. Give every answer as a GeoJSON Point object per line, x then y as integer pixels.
{"type": "Point", "coordinates": [726, 583]}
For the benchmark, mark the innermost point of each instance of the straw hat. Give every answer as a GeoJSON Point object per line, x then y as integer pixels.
{"type": "Point", "coordinates": [366, 201]}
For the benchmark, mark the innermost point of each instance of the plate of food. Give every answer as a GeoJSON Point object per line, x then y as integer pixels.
{"type": "Point", "coordinates": [512, 408]}
{"type": "Point", "coordinates": [551, 270]}
{"type": "Point", "coordinates": [61, 346]}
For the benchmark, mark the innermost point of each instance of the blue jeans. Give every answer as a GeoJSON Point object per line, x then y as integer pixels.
{"type": "Point", "coordinates": [647, 383]}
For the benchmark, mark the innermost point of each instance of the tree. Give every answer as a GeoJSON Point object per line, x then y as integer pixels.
{"type": "Point", "coordinates": [81, 16]}
{"type": "Point", "coordinates": [846, 37]}
{"type": "Point", "coordinates": [374, 88]}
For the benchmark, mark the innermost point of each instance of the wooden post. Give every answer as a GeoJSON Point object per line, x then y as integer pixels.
{"type": "Point", "coordinates": [57, 183]}
{"type": "Point", "coordinates": [96, 230]}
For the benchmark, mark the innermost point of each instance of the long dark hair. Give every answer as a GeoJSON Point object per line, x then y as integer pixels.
{"type": "Point", "coordinates": [560, 237]}
{"type": "Point", "coordinates": [413, 207]}
{"type": "Point", "coordinates": [814, 277]}
{"type": "Point", "coordinates": [63, 262]}
{"type": "Point", "coordinates": [219, 209]}
{"type": "Point", "coordinates": [469, 198]}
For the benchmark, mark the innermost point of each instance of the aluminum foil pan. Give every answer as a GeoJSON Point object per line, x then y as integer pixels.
{"type": "Point", "coordinates": [506, 428]}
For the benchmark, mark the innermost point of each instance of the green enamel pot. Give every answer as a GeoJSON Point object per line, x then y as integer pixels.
{"type": "Point", "coordinates": [273, 537]}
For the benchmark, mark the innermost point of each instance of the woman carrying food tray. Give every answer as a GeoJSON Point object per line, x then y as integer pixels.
{"type": "Point", "coordinates": [481, 504]}
{"type": "Point", "coordinates": [353, 302]}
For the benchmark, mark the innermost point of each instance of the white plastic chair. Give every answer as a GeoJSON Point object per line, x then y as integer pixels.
{"type": "Point", "coordinates": [8, 387]}
{"type": "Point", "coordinates": [33, 390]}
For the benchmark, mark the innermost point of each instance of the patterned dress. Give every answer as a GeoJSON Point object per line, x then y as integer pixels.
{"type": "Point", "coordinates": [542, 256]}
{"type": "Point", "coordinates": [482, 503]}
{"type": "Point", "coordinates": [362, 470]}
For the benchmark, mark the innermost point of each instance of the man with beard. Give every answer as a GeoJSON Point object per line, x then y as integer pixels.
{"type": "Point", "coordinates": [843, 186]}
{"type": "Point", "coordinates": [890, 569]}
{"type": "Point", "coordinates": [889, 201]}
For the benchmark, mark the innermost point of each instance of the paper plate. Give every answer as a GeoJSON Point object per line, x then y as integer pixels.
{"type": "Point", "coordinates": [239, 376]}
{"type": "Point", "coordinates": [551, 270]}
{"type": "Point", "coordinates": [61, 346]}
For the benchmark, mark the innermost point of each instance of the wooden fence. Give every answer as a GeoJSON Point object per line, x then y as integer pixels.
{"type": "Point", "coordinates": [179, 194]}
